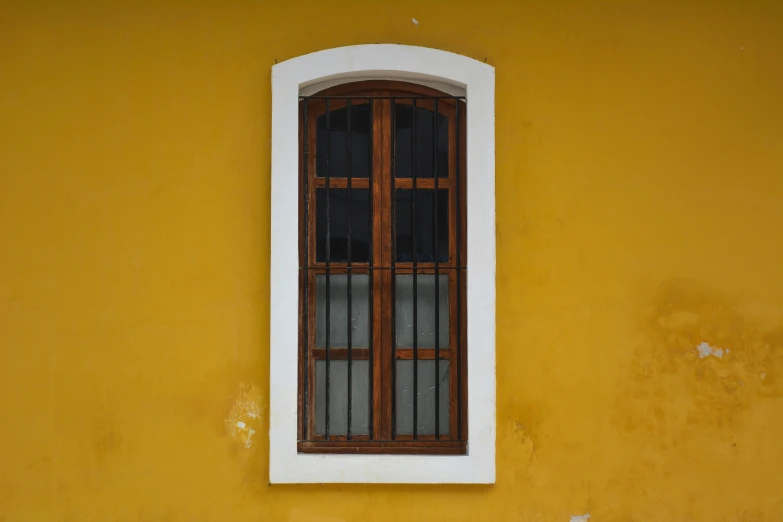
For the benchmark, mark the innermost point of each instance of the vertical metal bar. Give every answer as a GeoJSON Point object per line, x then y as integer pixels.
{"type": "Point", "coordinates": [372, 280]}
{"type": "Point", "coordinates": [459, 279]}
{"type": "Point", "coordinates": [350, 314]}
{"type": "Point", "coordinates": [393, 270]}
{"type": "Point", "coordinates": [436, 258]}
{"type": "Point", "coordinates": [328, 259]}
{"type": "Point", "coordinates": [415, 274]}
{"type": "Point", "coordinates": [306, 227]}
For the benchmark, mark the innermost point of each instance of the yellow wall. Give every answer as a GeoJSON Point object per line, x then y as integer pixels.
{"type": "Point", "coordinates": [639, 213]}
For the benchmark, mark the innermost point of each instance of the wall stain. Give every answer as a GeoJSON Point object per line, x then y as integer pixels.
{"type": "Point", "coordinates": [523, 433]}
{"type": "Point", "coordinates": [672, 389]}
{"type": "Point", "coordinates": [105, 437]}
{"type": "Point", "coordinates": [303, 515]}
{"type": "Point", "coordinates": [244, 418]}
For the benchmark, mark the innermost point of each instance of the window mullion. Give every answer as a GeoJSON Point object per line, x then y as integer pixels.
{"type": "Point", "coordinates": [378, 211]}
{"type": "Point", "coordinates": [386, 238]}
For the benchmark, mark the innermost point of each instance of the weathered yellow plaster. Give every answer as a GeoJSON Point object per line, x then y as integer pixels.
{"type": "Point", "coordinates": [639, 214]}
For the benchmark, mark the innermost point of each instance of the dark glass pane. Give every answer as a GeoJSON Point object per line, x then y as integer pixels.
{"type": "Point", "coordinates": [338, 311]}
{"type": "Point", "coordinates": [338, 397]}
{"type": "Point", "coordinates": [425, 229]}
{"type": "Point", "coordinates": [361, 149]}
{"type": "Point", "coordinates": [361, 225]}
{"type": "Point", "coordinates": [425, 387]}
{"type": "Point", "coordinates": [403, 122]}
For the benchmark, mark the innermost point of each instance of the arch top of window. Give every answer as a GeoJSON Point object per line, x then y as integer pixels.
{"type": "Point", "coordinates": [404, 92]}
{"type": "Point", "coordinates": [332, 86]}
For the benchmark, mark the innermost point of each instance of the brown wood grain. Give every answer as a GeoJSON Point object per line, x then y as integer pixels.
{"type": "Point", "coordinates": [300, 399]}
{"type": "Point", "coordinates": [443, 447]}
{"type": "Point", "coordinates": [311, 192]}
{"type": "Point", "coordinates": [378, 249]}
{"type": "Point", "coordinates": [341, 354]}
{"type": "Point", "coordinates": [384, 384]}
{"type": "Point", "coordinates": [385, 88]}
{"type": "Point", "coordinates": [454, 367]}
{"type": "Point", "coordinates": [423, 354]}
{"type": "Point", "coordinates": [341, 183]}
{"type": "Point", "coordinates": [300, 406]}
{"type": "Point", "coordinates": [310, 356]}
{"type": "Point", "coordinates": [463, 262]}
{"type": "Point", "coordinates": [387, 355]}
{"type": "Point", "coordinates": [421, 183]}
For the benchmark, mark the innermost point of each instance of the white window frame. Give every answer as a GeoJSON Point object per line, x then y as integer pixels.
{"type": "Point", "coordinates": [418, 65]}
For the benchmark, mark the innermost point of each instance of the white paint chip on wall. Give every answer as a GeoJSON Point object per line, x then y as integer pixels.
{"type": "Point", "coordinates": [244, 415]}
{"type": "Point", "coordinates": [415, 22]}
{"type": "Point", "coordinates": [580, 518]}
{"type": "Point", "coordinates": [705, 350]}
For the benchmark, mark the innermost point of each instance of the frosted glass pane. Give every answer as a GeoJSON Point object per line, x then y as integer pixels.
{"type": "Point", "coordinates": [338, 311]}
{"type": "Point", "coordinates": [425, 297]}
{"type": "Point", "coordinates": [426, 397]}
{"type": "Point", "coordinates": [338, 397]}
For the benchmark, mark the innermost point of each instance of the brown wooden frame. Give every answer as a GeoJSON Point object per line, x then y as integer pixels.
{"type": "Point", "coordinates": [382, 329]}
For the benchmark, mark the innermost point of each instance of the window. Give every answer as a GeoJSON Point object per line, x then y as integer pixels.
{"type": "Point", "coordinates": [311, 74]}
{"type": "Point", "coordinates": [382, 270]}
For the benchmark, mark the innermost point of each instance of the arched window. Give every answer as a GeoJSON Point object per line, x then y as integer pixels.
{"type": "Point", "coordinates": [382, 259]}
{"type": "Point", "coordinates": [398, 139]}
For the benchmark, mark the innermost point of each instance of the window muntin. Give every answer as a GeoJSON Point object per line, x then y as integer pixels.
{"type": "Point", "coordinates": [387, 250]}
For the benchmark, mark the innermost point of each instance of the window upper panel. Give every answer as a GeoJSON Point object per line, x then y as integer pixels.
{"type": "Point", "coordinates": [414, 150]}
{"type": "Point", "coordinates": [335, 141]}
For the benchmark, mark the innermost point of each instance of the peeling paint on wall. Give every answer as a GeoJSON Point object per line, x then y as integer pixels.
{"type": "Point", "coordinates": [705, 350]}
{"type": "Point", "coordinates": [245, 413]}
{"type": "Point", "coordinates": [580, 518]}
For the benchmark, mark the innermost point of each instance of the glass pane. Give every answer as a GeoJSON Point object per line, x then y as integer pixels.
{"type": "Point", "coordinates": [425, 311]}
{"type": "Point", "coordinates": [403, 122]}
{"type": "Point", "coordinates": [361, 225]}
{"type": "Point", "coordinates": [426, 397]}
{"type": "Point", "coordinates": [338, 397]}
{"type": "Point", "coordinates": [425, 228]}
{"type": "Point", "coordinates": [338, 311]}
{"type": "Point", "coordinates": [361, 148]}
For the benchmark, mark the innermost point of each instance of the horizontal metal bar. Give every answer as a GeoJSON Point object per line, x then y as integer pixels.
{"type": "Point", "coordinates": [404, 353]}
{"type": "Point", "coordinates": [417, 97]}
{"type": "Point", "coordinates": [364, 267]}
{"type": "Point", "coordinates": [426, 440]}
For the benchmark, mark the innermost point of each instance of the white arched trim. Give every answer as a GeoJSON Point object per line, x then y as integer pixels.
{"type": "Point", "coordinates": [448, 88]}
{"type": "Point", "coordinates": [451, 73]}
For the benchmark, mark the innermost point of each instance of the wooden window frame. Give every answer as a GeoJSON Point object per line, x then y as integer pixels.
{"type": "Point", "coordinates": [382, 439]}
